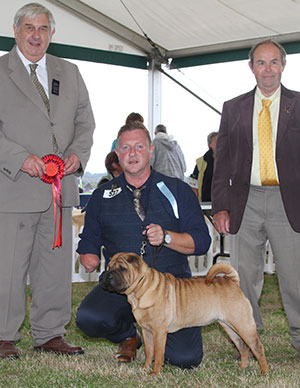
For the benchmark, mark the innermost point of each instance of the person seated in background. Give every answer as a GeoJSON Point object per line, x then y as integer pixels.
{"type": "Point", "coordinates": [114, 169]}
{"type": "Point", "coordinates": [112, 166]}
{"type": "Point", "coordinates": [167, 223]}
{"type": "Point", "coordinates": [167, 157]}
{"type": "Point", "coordinates": [203, 171]}
{"type": "Point", "coordinates": [133, 117]}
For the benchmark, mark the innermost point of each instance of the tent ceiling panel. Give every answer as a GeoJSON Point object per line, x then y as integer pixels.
{"type": "Point", "coordinates": [180, 29]}
{"type": "Point", "coordinates": [178, 25]}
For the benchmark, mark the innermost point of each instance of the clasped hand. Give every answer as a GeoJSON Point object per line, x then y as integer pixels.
{"type": "Point", "coordinates": [35, 167]}
{"type": "Point", "coordinates": [155, 234]}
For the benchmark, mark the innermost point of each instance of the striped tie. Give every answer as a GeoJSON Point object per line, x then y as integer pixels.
{"type": "Point", "coordinates": [42, 93]}
{"type": "Point", "coordinates": [266, 158]}
{"type": "Point", "coordinates": [39, 86]}
{"type": "Point", "coordinates": [137, 202]}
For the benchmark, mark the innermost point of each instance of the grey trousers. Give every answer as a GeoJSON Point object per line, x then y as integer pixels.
{"type": "Point", "coordinates": [26, 247]}
{"type": "Point", "coordinates": [264, 219]}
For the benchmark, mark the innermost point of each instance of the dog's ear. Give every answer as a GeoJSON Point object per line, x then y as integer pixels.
{"type": "Point", "coordinates": [133, 258]}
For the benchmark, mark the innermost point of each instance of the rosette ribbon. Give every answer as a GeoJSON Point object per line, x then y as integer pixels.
{"type": "Point", "coordinates": [54, 173]}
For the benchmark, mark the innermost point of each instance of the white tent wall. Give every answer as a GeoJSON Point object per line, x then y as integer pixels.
{"type": "Point", "coordinates": [188, 33]}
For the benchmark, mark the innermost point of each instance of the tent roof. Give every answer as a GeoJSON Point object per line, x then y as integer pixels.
{"type": "Point", "coordinates": [189, 32]}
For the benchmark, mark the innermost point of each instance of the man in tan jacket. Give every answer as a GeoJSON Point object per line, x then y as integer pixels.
{"type": "Point", "coordinates": [29, 131]}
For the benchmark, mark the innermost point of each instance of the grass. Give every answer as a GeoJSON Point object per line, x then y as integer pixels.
{"type": "Point", "coordinates": [98, 368]}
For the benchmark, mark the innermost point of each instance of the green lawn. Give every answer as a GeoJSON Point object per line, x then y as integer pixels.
{"type": "Point", "coordinates": [97, 367]}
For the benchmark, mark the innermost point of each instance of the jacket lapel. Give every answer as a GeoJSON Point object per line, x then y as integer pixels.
{"type": "Point", "coordinates": [287, 104]}
{"type": "Point", "coordinates": [54, 78]}
{"type": "Point", "coordinates": [21, 78]}
{"type": "Point", "coordinates": [246, 118]}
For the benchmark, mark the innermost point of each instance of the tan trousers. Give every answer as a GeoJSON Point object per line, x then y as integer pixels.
{"type": "Point", "coordinates": [265, 218]}
{"type": "Point", "coordinates": [26, 247]}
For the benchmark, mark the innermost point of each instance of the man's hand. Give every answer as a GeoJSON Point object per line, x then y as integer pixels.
{"type": "Point", "coordinates": [222, 221]}
{"type": "Point", "coordinates": [89, 261]}
{"type": "Point", "coordinates": [180, 242]}
{"type": "Point", "coordinates": [34, 166]}
{"type": "Point", "coordinates": [72, 164]}
{"type": "Point", "coordinates": [155, 234]}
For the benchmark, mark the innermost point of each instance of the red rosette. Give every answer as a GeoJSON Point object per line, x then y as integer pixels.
{"type": "Point", "coordinates": [54, 172]}
{"type": "Point", "coordinates": [54, 168]}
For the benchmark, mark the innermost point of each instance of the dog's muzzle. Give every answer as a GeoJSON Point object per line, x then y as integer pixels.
{"type": "Point", "coordinates": [113, 282]}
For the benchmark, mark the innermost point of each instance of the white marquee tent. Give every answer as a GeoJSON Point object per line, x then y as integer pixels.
{"type": "Point", "coordinates": [189, 32]}
{"type": "Point", "coordinates": [147, 34]}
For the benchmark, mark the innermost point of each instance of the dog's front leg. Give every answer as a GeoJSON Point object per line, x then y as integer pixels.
{"type": "Point", "coordinates": [160, 339]}
{"type": "Point", "coordinates": [149, 346]}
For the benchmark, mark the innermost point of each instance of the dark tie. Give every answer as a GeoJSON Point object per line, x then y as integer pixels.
{"type": "Point", "coordinates": [137, 201]}
{"type": "Point", "coordinates": [42, 93]}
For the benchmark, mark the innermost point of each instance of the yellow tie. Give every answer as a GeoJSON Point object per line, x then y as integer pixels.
{"type": "Point", "coordinates": [266, 159]}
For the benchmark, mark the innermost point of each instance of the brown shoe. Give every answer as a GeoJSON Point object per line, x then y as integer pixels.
{"type": "Point", "coordinates": [60, 346]}
{"type": "Point", "coordinates": [127, 348]}
{"type": "Point", "coordinates": [8, 350]}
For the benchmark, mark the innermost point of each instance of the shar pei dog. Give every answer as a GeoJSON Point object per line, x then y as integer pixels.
{"type": "Point", "coordinates": [163, 304]}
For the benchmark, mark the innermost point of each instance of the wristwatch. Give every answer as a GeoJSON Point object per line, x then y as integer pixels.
{"type": "Point", "coordinates": [167, 238]}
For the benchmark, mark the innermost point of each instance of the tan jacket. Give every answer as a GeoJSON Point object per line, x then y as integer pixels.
{"type": "Point", "coordinates": [25, 128]}
{"type": "Point", "coordinates": [201, 164]}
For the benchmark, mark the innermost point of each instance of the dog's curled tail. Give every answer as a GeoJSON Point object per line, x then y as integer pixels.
{"type": "Point", "coordinates": [219, 268]}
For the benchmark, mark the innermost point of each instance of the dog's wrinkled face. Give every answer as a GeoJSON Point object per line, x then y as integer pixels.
{"type": "Point", "coordinates": [121, 272]}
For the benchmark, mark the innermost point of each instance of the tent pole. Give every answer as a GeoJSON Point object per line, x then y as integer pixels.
{"type": "Point", "coordinates": [154, 96]}
{"type": "Point", "coordinates": [189, 90]}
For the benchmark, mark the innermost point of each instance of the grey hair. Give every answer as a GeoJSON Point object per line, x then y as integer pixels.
{"type": "Point", "coordinates": [210, 137]}
{"type": "Point", "coordinates": [268, 41]}
{"type": "Point", "coordinates": [32, 10]}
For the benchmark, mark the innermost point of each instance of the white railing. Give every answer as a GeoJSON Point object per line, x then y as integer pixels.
{"type": "Point", "coordinates": [79, 273]}
{"type": "Point", "coordinates": [199, 264]}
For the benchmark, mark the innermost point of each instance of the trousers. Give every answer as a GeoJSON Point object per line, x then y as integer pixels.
{"type": "Point", "coordinates": [265, 219]}
{"type": "Point", "coordinates": [26, 249]}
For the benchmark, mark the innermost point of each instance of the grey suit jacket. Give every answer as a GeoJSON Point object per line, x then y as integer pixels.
{"type": "Point", "coordinates": [26, 128]}
{"type": "Point", "coordinates": [232, 169]}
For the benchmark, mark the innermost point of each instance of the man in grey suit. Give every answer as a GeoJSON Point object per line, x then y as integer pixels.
{"type": "Point", "coordinates": [29, 131]}
{"type": "Point", "coordinates": [249, 204]}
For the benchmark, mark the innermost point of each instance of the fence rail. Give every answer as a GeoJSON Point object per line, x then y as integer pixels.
{"type": "Point", "coordinates": [199, 264]}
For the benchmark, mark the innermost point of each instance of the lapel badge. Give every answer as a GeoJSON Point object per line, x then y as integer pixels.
{"type": "Point", "coordinates": [112, 192]}
{"type": "Point", "coordinates": [287, 109]}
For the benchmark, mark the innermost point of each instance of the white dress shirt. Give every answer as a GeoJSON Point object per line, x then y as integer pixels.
{"type": "Point", "coordinates": [41, 70]}
{"type": "Point", "coordinates": [274, 111]}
